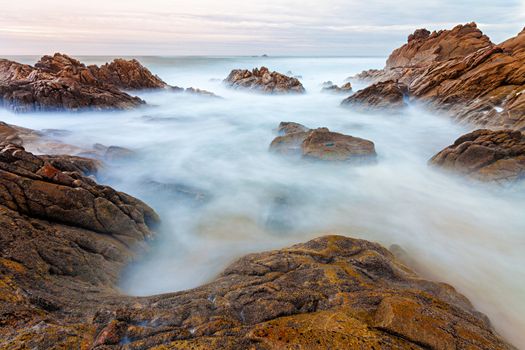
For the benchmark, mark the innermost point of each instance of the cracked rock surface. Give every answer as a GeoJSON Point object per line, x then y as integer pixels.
{"type": "Point", "coordinates": [486, 155]}
{"type": "Point", "coordinates": [64, 241]}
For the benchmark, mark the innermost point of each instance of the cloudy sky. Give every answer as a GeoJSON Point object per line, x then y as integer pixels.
{"type": "Point", "coordinates": [239, 27]}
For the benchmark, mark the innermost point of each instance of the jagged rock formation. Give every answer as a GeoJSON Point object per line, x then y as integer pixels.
{"type": "Point", "coordinates": [264, 81]}
{"type": "Point", "coordinates": [128, 75]}
{"type": "Point", "coordinates": [387, 95]}
{"type": "Point", "coordinates": [55, 83]}
{"type": "Point", "coordinates": [333, 88]}
{"type": "Point", "coordinates": [486, 155]}
{"type": "Point", "coordinates": [461, 72]}
{"type": "Point", "coordinates": [60, 82]}
{"type": "Point", "coordinates": [321, 144]}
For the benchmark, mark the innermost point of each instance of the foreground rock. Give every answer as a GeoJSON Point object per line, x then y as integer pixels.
{"type": "Point", "coordinates": [321, 144]}
{"type": "Point", "coordinates": [486, 155]}
{"type": "Point", "coordinates": [462, 73]}
{"type": "Point", "coordinates": [388, 95]}
{"type": "Point", "coordinates": [264, 81]}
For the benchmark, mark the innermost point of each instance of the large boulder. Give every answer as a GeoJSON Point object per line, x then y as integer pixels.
{"type": "Point", "coordinates": [321, 144]}
{"type": "Point", "coordinates": [388, 95]}
{"type": "Point", "coordinates": [486, 155]}
{"type": "Point", "coordinates": [264, 81]}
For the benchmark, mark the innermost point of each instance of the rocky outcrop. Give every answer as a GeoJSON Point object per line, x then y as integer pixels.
{"type": "Point", "coordinates": [263, 80]}
{"type": "Point", "coordinates": [486, 155]}
{"type": "Point", "coordinates": [127, 75]}
{"type": "Point", "coordinates": [462, 73]}
{"type": "Point", "coordinates": [388, 95]}
{"type": "Point", "coordinates": [56, 83]}
{"type": "Point", "coordinates": [321, 144]}
{"type": "Point", "coordinates": [64, 241]}
{"type": "Point", "coordinates": [333, 88]}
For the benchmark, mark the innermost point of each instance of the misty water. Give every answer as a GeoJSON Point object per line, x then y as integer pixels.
{"type": "Point", "coordinates": [203, 164]}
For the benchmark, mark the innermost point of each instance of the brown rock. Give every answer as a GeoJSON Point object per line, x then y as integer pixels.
{"type": "Point", "coordinates": [320, 144]}
{"type": "Point", "coordinates": [486, 155]}
{"type": "Point", "coordinates": [55, 83]}
{"type": "Point", "coordinates": [323, 144]}
{"type": "Point", "coordinates": [127, 75]}
{"type": "Point", "coordinates": [345, 88]}
{"type": "Point", "coordinates": [264, 81]}
{"type": "Point", "coordinates": [388, 95]}
{"type": "Point", "coordinates": [462, 73]}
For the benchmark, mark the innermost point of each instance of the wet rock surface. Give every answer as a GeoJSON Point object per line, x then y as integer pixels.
{"type": "Point", "coordinates": [486, 155]}
{"type": "Point", "coordinates": [56, 83]}
{"type": "Point", "coordinates": [321, 144]}
{"type": "Point", "coordinates": [262, 80]}
{"type": "Point", "coordinates": [462, 73]}
{"type": "Point", "coordinates": [64, 241]}
{"type": "Point", "coordinates": [388, 95]}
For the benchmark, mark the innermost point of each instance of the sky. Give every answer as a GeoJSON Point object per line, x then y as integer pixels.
{"type": "Point", "coordinates": [239, 27]}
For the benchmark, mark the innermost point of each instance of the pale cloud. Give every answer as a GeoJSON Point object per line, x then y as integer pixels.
{"type": "Point", "coordinates": [241, 27]}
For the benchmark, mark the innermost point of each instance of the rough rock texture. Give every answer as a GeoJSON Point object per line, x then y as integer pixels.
{"type": "Point", "coordinates": [321, 144]}
{"type": "Point", "coordinates": [379, 96]}
{"type": "Point", "coordinates": [264, 81]}
{"type": "Point", "coordinates": [64, 240]}
{"type": "Point", "coordinates": [332, 292]}
{"type": "Point", "coordinates": [55, 83]}
{"type": "Point", "coordinates": [486, 155]}
{"type": "Point", "coordinates": [128, 75]}
{"type": "Point", "coordinates": [63, 243]}
{"type": "Point", "coordinates": [345, 88]}
{"type": "Point", "coordinates": [462, 73]}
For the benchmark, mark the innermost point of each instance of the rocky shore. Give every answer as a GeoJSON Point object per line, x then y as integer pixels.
{"type": "Point", "coordinates": [65, 239]}
{"type": "Point", "coordinates": [462, 74]}
{"type": "Point", "coordinates": [59, 82]}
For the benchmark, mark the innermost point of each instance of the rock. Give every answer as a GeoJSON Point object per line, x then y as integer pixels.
{"type": "Point", "coordinates": [388, 95]}
{"type": "Point", "coordinates": [286, 128]}
{"type": "Point", "coordinates": [200, 92]}
{"type": "Point", "coordinates": [64, 241]}
{"type": "Point", "coordinates": [486, 155]}
{"type": "Point", "coordinates": [127, 75]}
{"type": "Point", "coordinates": [460, 72]}
{"type": "Point", "coordinates": [332, 292]}
{"type": "Point", "coordinates": [263, 80]}
{"type": "Point", "coordinates": [323, 144]}
{"type": "Point", "coordinates": [345, 88]}
{"type": "Point", "coordinates": [320, 144]}
{"type": "Point", "coordinates": [56, 83]}
{"type": "Point", "coordinates": [424, 47]}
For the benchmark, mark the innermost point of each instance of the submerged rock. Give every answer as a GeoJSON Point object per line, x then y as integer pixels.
{"type": "Point", "coordinates": [486, 155]}
{"type": "Point", "coordinates": [388, 95]}
{"type": "Point", "coordinates": [321, 144]}
{"type": "Point", "coordinates": [264, 81]}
